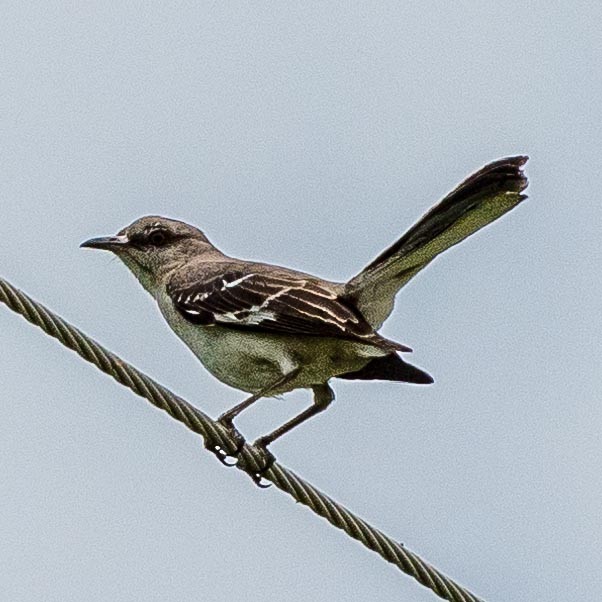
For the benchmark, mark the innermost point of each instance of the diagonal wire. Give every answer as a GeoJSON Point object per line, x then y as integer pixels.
{"type": "Point", "coordinates": [250, 458]}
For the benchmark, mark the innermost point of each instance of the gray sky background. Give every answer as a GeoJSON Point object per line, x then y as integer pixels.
{"type": "Point", "coordinates": [287, 132]}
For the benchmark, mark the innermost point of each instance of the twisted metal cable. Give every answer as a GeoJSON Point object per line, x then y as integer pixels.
{"type": "Point", "coordinates": [250, 458]}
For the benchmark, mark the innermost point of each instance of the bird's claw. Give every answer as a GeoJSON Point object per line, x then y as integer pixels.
{"type": "Point", "coordinates": [226, 458]}
{"type": "Point", "coordinates": [257, 478]}
{"type": "Point", "coordinates": [229, 459]}
{"type": "Point", "coordinates": [267, 460]}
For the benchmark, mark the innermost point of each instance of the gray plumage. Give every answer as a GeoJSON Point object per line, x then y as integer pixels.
{"type": "Point", "coordinates": [267, 329]}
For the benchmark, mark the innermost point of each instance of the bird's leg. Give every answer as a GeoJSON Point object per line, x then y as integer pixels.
{"type": "Point", "coordinates": [323, 397]}
{"type": "Point", "coordinates": [226, 419]}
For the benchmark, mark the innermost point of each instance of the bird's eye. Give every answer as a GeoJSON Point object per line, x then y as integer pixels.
{"type": "Point", "coordinates": [157, 238]}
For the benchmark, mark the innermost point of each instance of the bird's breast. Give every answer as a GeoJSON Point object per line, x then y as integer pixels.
{"type": "Point", "coordinates": [251, 361]}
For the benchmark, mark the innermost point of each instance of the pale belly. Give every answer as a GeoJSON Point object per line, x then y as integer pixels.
{"type": "Point", "coordinates": [251, 362]}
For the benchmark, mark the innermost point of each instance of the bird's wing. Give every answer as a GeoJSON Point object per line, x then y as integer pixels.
{"type": "Point", "coordinates": [273, 303]}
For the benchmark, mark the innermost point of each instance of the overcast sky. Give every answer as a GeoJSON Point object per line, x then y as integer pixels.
{"type": "Point", "coordinates": [310, 137]}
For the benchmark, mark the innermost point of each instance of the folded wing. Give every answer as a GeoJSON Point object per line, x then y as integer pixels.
{"type": "Point", "coordinates": [273, 303]}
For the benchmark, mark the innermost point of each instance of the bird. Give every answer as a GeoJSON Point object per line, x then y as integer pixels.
{"type": "Point", "coordinates": [267, 330]}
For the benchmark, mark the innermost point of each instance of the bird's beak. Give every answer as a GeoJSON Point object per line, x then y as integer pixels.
{"type": "Point", "coordinates": [107, 243]}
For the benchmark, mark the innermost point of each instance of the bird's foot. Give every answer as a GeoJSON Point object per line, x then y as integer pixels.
{"type": "Point", "coordinates": [266, 461]}
{"type": "Point", "coordinates": [231, 457]}
{"type": "Point", "coordinates": [226, 457]}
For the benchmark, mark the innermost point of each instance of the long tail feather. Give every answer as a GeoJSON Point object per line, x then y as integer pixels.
{"type": "Point", "coordinates": [479, 200]}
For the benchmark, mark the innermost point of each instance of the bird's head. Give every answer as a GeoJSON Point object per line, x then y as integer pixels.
{"type": "Point", "coordinates": [152, 246]}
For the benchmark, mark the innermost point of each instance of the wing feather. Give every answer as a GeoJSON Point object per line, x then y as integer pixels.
{"type": "Point", "coordinates": [275, 304]}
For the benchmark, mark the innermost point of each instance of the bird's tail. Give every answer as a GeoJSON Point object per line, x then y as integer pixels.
{"type": "Point", "coordinates": [479, 200]}
{"type": "Point", "coordinates": [390, 367]}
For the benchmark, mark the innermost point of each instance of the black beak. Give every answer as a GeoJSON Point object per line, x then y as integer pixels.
{"type": "Point", "coordinates": [107, 243]}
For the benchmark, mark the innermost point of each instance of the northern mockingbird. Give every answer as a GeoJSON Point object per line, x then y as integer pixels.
{"type": "Point", "coordinates": [267, 329]}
